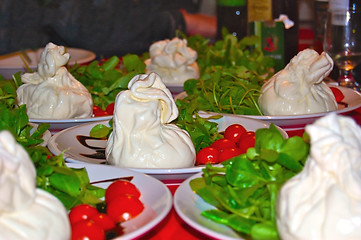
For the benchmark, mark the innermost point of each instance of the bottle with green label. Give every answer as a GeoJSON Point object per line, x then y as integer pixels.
{"type": "Point", "coordinates": [232, 14]}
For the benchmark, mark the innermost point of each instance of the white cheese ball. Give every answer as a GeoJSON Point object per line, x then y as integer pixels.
{"type": "Point", "coordinates": [299, 87]}
{"type": "Point", "coordinates": [52, 92]}
{"type": "Point", "coordinates": [323, 201]}
{"type": "Point", "coordinates": [25, 211]}
{"type": "Point", "coordinates": [173, 61]}
{"type": "Point", "coordinates": [143, 136]}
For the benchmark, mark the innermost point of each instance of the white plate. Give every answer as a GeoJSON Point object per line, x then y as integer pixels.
{"type": "Point", "coordinates": [57, 125]}
{"type": "Point", "coordinates": [66, 141]}
{"type": "Point", "coordinates": [12, 63]}
{"type": "Point", "coordinates": [155, 196]}
{"type": "Point", "coordinates": [189, 207]}
{"type": "Point", "coordinates": [295, 122]}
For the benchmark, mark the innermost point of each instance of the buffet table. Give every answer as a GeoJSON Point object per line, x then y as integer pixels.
{"type": "Point", "coordinates": [173, 227]}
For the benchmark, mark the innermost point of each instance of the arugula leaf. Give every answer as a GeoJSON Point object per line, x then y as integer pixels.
{"type": "Point", "coordinates": [232, 73]}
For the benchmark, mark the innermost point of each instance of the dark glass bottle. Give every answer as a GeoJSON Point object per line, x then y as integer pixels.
{"type": "Point", "coordinates": [320, 16]}
{"type": "Point", "coordinates": [355, 6]}
{"type": "Point", "coordinates": [289, 8]}
{"type": "Point", "coordinates": [232, 14]}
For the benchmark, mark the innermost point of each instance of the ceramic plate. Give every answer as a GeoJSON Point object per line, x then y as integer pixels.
{"type": "Point", "coordinates": [189, 207]}
{"type": "Point", "coordinates": [79, 147]}
{"type": "Point", "coordinates": [13, 63]}
{"type": "Point", "coordinates": [59, 124]}
{"type": "Point", "coordinates": [155, 196]}
{"type": "Point", "coordinates": [351, 102]}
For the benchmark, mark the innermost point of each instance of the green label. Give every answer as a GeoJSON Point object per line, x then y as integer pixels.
{"type": "Point", "coordinates": [271, 40]}
{"type": "Point", "coordinates": [231, 3]}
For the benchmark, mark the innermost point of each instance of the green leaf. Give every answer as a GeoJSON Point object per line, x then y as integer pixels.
{"type": "Point", "coordinates": [264, 231]}
{"type": "Point", "coordinates": [240, 224]}
{"type": "Point", "coordinates": [242, 173]}
{"type": "Point", "coordinates": [133, 63]}
{"type": "Point", "coordinates": [69, 184]}
{"type": "Point", "coordinates": [296, 147]}
{"type": "Point", "coordinates": [289, 162]}
{"type": "Point", "coordinates": [100, 131]}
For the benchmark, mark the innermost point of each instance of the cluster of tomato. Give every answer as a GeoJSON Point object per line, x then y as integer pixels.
{"type": "Point", "coordinates": [235, 142]}
{"type": "Point", "coordinates": [98, 111]}
{"type": "Point", "coordinates": [121, 204]}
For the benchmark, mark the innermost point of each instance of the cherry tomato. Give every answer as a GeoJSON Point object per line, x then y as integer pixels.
{"type": "Point", "coordinates": [87, 230]}
{"type": "Point", "coordinates": [246, 141]}
{"type": "Point", "coordinates": [103, 221]}
{"type": "Point", "coordinates": [223, 143]}
{"type": "Point", "coordinates": [81, 212]}
{"type": "Point", "coordinates": [124, 208]}
{"type": "Point", "coordinates": [110, 109]}
{"type": "Point", "coordinates": [234, 131]}
{"type": "Point", "coordinates": [98, 111]}
{"type": "Point", "coordinates": [207, 155]}
{"type": "Point", "coordinates": [229, 153]}
{"type": "Point", "coordinates": [338, 94]}
{"type": "Point", "coordinates": [121, 187]}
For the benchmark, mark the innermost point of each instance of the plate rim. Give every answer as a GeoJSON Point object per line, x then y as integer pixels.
{"type": "Point", "coordinates": [71, 120]}
{"type": "Point", "coordinates": [89, 58]}
{"type": "Point", "coordinates": [156, 171]}
{"type": "Point", "coordinates": [52, 145]}
{"type": "Point", "coordinates": [161, 173]}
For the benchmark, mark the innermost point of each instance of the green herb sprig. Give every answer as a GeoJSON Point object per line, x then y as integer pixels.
{"type": "Point", "coordinates": [232, 73]}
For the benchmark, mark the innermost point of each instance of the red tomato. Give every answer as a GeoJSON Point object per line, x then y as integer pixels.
{"type": "Point", "coordinates": [207, 155]}
{"type": "Point", "coordinates": [234, 131]}
{"type": "Point", "coordinates": [246, 141]}
{"type": "Point", "coordinates": [119, 188]}
{"type": "Point", "coordinates": [338, 94]}
{"type": "Point", "coordinates": [110, 109]}
{"type": "Point", "coordinates": [124, 208]}
{"type": "Point", "coordinates": [87, 230]}
{"type": "Point", "coordinates": [82, 212]}
{"type": "Point", "coordinates": [98, 111]}
{"type": "Point", "coordinates": [103, 221]}
{"type": "Point", "coordinates": [223, 143]}
{"type": "Point", "coordinates": [229, 153]}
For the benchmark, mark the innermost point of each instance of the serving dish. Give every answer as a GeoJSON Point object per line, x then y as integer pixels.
{"type": "Point", "coordinates": [351, 102]}
{"type": "Point", "coordinates": [189, 207]}
{"type": "Point", "coordinates": [155, 196]}
{"type": "Point", "coordinates": [13, 62]}
{"type": "Point", "coordinates": [57, 125]}
{"type": "Point", "coordinates": [79, 147]}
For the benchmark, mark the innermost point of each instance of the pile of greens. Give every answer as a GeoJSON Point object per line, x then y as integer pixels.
{"type": "Point", "coordinates": [245, 188]}
{"type": "Point", "coordinates": [70, 186]}
{"type": "Point", "coordinates": [232, 72]}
